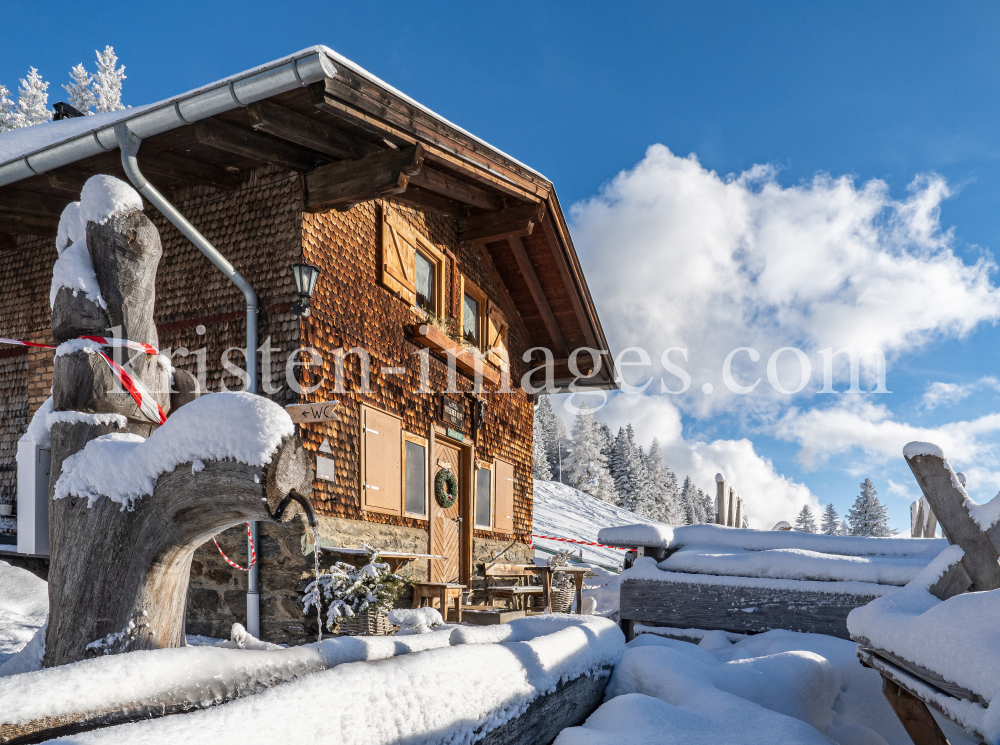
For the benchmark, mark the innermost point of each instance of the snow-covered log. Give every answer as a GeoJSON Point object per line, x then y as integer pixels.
{"type": "Point", "coordinates": [130, 500]}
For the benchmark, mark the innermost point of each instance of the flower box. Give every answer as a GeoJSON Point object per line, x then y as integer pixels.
{"type": "Point", "coordinates": [435, 339]}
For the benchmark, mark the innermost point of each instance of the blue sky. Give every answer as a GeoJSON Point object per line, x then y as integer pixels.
{"type": "Point", "coordinates": [886, 91]}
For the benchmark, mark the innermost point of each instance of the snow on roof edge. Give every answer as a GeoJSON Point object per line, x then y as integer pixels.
{"type": "Point", "coordinates": [102, 122]}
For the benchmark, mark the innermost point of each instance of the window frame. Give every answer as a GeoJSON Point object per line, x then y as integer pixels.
{"type": "Point", "coordinates": [471, 289]}
{"type": "Point", "coordinates": [425, 444]}
{"type": "Point", "coordinates": [487, 466]}
{"type": "Point", "coordinates": [393, 220]}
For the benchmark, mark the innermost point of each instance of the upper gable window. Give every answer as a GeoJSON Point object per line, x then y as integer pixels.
{"type": "Point", "coordinates": [412, 266]}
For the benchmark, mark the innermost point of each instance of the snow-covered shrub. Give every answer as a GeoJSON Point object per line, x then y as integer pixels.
{"type": "Point", "coordinates": [345, 590]}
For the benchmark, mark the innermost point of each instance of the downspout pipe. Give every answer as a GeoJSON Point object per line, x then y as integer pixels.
{"type": "Point", "coordinates": [129, 145]}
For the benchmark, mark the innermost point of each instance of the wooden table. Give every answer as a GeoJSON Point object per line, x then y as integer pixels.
{"type": "Point", "coordinates": [546, 573]}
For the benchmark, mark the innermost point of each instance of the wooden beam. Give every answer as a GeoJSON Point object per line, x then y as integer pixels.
{"type": "Point", "coordinates": [168, 165]}
{"type": "Point", "coordinates": [351, 181]}
{"type": "Point", "coordinates": [20, 223]}
{"type": "Point", "coordinates": [913, 714]}
{"type": "Point", "coordinates": [453, 188]}
{"type": "Point", "coordinates": [67, 179]}
{"type": "Point", "coordinates": [280, 122]}
{"type": "Point", "coordinates": [494, 226]}
{"type": "Point", "coordinates": [253, 145]}
{"type": "Point", "coordinates": [571, 287]}
{"type": "Point", "coordinates": [538, 294]}
{"type": "Point", "coordinates": [32, 202]}
{"type": "Point", "coordinates": [513, 314]}
{"type": "Point", "coordinates": [428, 200]}
{"type": "Point", "coordinates": [937, 482]}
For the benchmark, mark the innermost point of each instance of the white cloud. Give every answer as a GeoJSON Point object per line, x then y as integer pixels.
{"type": "Point", "coordinates": [944, 394]}
{"type": "Point", "coordinates": [901, 490]}
{"type": "Point", "coordinates": [677, 256]}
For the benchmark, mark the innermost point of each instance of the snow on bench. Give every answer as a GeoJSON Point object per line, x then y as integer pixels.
{"type": "Point", "coordinates": [458, 684]}
{"type": "Point", "coordinates": [741, 580]}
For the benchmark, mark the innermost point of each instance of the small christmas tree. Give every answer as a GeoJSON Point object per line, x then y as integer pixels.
{"type": "Point", "coordinates": [868, 516]}
{"type": "Point", "coordinates": [6, 110]}
{"type": "Point", "coordinates": [585, 468]}
{"type": "Point", "coordinates": [831, 521]}
{"type": "Point", "coordinates": [32, 102]}
{"type": "Point", "coordinates": [346, 590]}
{"type": "Point", "coordinates": [805, 521]}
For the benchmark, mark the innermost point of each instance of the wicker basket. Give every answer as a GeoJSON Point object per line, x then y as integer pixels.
{"type": "Point", "coordinates": [562, 600]}
{"type": "Point", "coordinates": [367, 623]}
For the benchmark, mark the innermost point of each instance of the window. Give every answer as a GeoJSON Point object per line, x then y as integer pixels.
{"type": "Point", "coordinates": [415, 475]}
{"type": "Point", "coordinates": [473, 314]}
{"type": "Point", "coordinates": [484, 497]}
{"type": "Point", "coordinates": [496, 337]}
{"type": "Point", "coordinates": [426, 281]}
{"type": "Point", "coordinates": [412, 266]}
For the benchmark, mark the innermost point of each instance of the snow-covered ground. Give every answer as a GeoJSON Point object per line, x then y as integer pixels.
{"type": "Point", "coordinates": [776, 687]}
{"type": "Point", "coordinates": [24, 605]}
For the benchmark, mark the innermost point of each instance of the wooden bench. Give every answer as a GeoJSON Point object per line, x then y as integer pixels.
{"type": "Point", "coordinates": [909, 687]}
{"type": "Point", "coordinates": [444, 592]}
{"type": "Point", "coordinates": [518, 594]}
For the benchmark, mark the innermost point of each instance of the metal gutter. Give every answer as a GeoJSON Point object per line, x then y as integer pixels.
{"type": "Point", "coordinates": [129, 144]}
{"type": "Point", "coordinates": [299, 70]}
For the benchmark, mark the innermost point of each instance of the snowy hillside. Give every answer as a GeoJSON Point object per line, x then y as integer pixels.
{"type": "Point", "coordinates": [563, 512]}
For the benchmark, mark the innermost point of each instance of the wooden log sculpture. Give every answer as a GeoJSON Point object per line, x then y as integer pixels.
{"type": "Point", "coordinates": [119, 576]}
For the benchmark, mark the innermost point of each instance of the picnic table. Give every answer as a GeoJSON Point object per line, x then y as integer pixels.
{"type": "Point", "coordinates": [395, 559]}
{"type": "Point", "coordinates": [546, 573]}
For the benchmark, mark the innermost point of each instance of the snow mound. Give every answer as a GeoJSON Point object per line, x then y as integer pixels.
{"type": "Point", "coordinates": [415, 620]}
{"type": "Point", "coordinates": [124, 467]}
{"type": "Point", "coordinates": [104, 197]}
{"type": "Point", "coordinates": [24, 605]}
{"type": "Point", "coordinates": [38, 428]}
{"type": "Point", "coordinates": [73, 269]}
{"type": "Point", "coordinates": [71, 228]}
{"type": "Point", "coordinates": [761, 540]}
{"type": "Point", "coordinates": [913, 449]}
{"type": "Point", "coordinates": [776, 687]}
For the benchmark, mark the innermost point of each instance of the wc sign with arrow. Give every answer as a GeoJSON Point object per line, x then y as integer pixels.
{"type": "Point", "coordinates": [318, 412]}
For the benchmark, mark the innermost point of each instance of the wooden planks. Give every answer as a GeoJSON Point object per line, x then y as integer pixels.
{"type": "Point", "coordinates": [168, 165]}
{"type": "Point", "coordinates": [492, 226]}
{"type": "Point", "coordinates": [301, 130]}
{"type": "Point", "coordinates": [444, 521]}
{"type": "Point", "coordinates": [19, 223]}
{"type": "Point", "coordinates": [913, 714]}
{"type": "Point", "coordinates": [737, 608]}
{"type": "Point", "coordinates": [538, 295]}
{"type": "Point", "coordinates": [460, 191]}
{"type": "Point", "coordinates": [250, 144]}
{"type": "Point", "coordinates": [350, 181]}
{"type": "Point", "coordinates": [31, 202]}
{"type": "Point", "coordinates": [937, 481]}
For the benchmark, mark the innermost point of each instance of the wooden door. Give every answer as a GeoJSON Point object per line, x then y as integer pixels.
{"type": "Point", "coordinates": [445, 523]}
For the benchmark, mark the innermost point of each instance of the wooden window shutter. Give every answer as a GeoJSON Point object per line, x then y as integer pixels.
{"type": "Point", "coordinates": [382, 482]}
{"type": "Point", "coordinates": [503, 504]}
{"type": "Point", "coordinates": [496, 336]}
{"type": "Point", "coordinates": [398, 255]}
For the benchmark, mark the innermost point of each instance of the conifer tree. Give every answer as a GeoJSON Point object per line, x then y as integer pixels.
{"type": "Point", "coordinates": [585, 467]}
{"type": "Point", "coordinates": [746, 522]}
{"type": "Point", "coordinates": [6, 110]}
{"type": "Point", "coordinates": [868, 516]}
{"type": "Point", "coordinates": [547, 428]}
{"type": "Point", "coordinates": [805, 522]}
{"type": "Point", "coordinates": [629, 474]}
{"type": "Point", "coordinates": [690, 502]}
{"type": "Point", "coordinates": [81, 97]}
{"type": "Point", "coordinates": [107, 84]}
{"type": "Point", "coordinates": [831, 521]}
{"type": "Point", "coordinates": [607, 440]}
{"type": "Point", "coordinates": [707, 507]}
{"type": "Point", "coordinates": [32, 102]}
{"type": "Point", "coordinates": [663, 482]}
{"type": "Point", "coordinates": [541, 469]}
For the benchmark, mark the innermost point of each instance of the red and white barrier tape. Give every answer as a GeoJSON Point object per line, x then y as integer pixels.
{"type": "Point", "coordinates": [573, 540]}
{"type": "Point", "coordinates": [143, 399]}
{"type": "Point", "coordinates": [233, 564]}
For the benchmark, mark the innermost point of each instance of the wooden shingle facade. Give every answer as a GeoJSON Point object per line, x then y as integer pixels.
{"type": "Point", "coordinates": [350, 176]}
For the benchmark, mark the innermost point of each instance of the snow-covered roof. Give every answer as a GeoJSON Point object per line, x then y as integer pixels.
{"type": "Point", "coordinates": [34, 150]}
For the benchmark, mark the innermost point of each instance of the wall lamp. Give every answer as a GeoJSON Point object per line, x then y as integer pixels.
{"type": "Point", "coordinates": [305, 283]}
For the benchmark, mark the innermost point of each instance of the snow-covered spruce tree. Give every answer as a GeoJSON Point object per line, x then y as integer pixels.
{"type": "Point", "coordinates": [81, 97]}
{"type": "Point", "coordinates": [868, 516]}
{"type": "Point", "coordinates": [746, 522]}
{"type": "Point", "coordinates": [805, 522]}
{"type": "Point", "coordinates": [107, 84]}
{"type": "Point", "coordinates": [6, 110]}
{"type": "Point", "coordinates": [585, 468]}
{"type": "Point", "coordinates": [607, 440]}
{"type": "Point", "coordinates": [629, 473]}
{"type": "Point", "coordinates": [547, 428]}
{"type": "Point", "coordinates": [663, 482]}
{"type": "Point", "coordinates": [542, 472]}
{"type": "Point", "coordinates": [707, 506]}
{"type": "Point", "coordinates": [831, 521]}
{"type": "Point", "coordinates": [32, 102]}
{"type": "Point", "coordinates": [690, 502]}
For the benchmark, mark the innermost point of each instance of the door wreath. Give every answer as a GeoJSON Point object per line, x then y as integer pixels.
{"type": "Point", "coordinates": [445, 488]}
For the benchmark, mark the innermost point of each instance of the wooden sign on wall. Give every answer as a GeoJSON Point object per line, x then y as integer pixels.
{"type": "Point", "coordinates": [453, 412]}
{"type": "Point", "coordinates": [325, 411]}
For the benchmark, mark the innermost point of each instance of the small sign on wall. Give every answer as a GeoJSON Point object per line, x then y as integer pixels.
{"type": "Point", "coordinates": [325, 411]}
{"type": "Point", "coordinates": [453, 412]}
{"type": "Point", "coordinates": [325, 467]}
